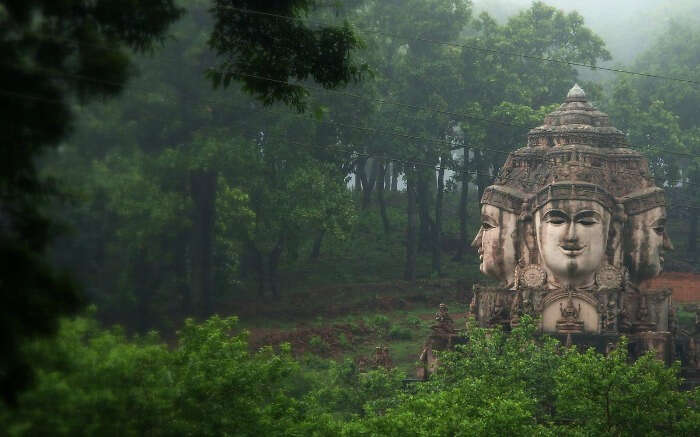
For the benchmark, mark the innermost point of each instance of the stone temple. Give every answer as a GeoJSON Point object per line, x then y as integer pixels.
{"type": "Point", "coordinates": [572, 226]}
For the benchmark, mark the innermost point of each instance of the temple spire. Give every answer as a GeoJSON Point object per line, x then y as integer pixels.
{"type": "Point", "coordinates": [576, 92]}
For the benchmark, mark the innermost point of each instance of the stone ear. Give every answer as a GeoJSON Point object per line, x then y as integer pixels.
{"type": "Point", "coordinates": [530, 237]}
{"type": "Point", "coordinates": [615, 232]}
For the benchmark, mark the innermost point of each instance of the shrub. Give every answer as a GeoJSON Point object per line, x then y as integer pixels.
{"type": "Point", "coordinates": [400, 333]}
{"type": "Point", "coordinates": [343, 341]}
{"type": "Point", "coordinates": [380, 324]}
{"type": "Point", "coordinates": [318, 345]}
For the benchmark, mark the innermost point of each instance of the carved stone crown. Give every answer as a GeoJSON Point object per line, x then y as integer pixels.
{"type": "Point", "coordinates": [644, 200]}
{"type": "Point", "coordinates": [576, 122]}
{"type": "Point", "coordinates": [578, 146]}
{"type": "Point", "coordinates": [504, 197]}
{"type": "Point", "coordinates": [572, 191]}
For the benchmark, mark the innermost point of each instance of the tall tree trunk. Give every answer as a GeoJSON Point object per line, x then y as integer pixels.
{"type": "Point", "coordinates": [316, 249]}
{"type": "Point", "coordinates": [203, 191]}
{"type": "Point", "coordinates": [387, 174]}
{"type": "Point", "coordinates": [255, 261]}
{"type": "Point", "coordinates": [380, 196]}
{"type": "Point", "coordinates": [411, 237]}
{"type": "Point", "coordinates": [359, 173]}
{"type": "Point", "coordinates": [482, 175]}
{"type": "Point", "coordinates": [272, 264]}
{"type": "Point", "coordinates": [262, 274]}
{"type": "Point", "coordinates": [463, 199]}
{"type": "Point", "coordinates": [368, 183]}
{"type": "Point", "coordinates": [394, 177]}
{"type": "Point", "coordinates": [144, 291]}
{"type": "Point", "coordinates": [423, 200]}
{"type": "Point", "coordinates": [693, 234]}
{"type": "Point", "coordinates": [182, 279]}
{"type": "Point", "coordinates": [437, 227]}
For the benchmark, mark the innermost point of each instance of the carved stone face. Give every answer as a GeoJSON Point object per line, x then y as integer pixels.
{"type": "Point", "coordinates": [572, 237]}
{"type": "Point", "coordinates": [645, 242]}
{"type": "Point", "coordinates": [495, 243]}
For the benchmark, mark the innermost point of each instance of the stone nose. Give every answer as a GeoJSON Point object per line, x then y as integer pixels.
{"type": "Point", "coordinates": [476, 243]}
{"type": "Point", "coordinates": [571, 232]}
{"type": "Point", "coordinates": [667, 242]}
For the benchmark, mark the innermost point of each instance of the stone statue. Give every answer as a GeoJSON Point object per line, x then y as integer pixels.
{"type": "Point", "coordinates": [444, 323]}
{"type": "Point", "coordinates": [572, 233]}
{"type": "Point", "coordinates": [611, 313]}
{"type": "Point", "coordinates": [497, 239]}
{"type": "Point", "coordinates": [645, 233]}
{"type": "Point", "coordinates": [571, 227]}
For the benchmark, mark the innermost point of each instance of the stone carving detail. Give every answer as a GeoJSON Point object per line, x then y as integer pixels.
{"type": "Point", "coordinates": [644, 322]}
{"type": "Point", "coordinates": [533, 276]}
{"type": "Point", "coordinates": [498, 312]}
{"type": "Point", "coordinates": [608, 278]}
{"type": "Point", "coordinates": [444, 324]}
{"type": "Point", "coordinates": [569, 322]}
{"type": "Point", "coordinates": [382, 357]}
{"type": "Point", "coordinates": [611, 313]}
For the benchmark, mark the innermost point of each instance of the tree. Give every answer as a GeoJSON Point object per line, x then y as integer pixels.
{"type": "Point", "coordinates": [54, 52]}
{"type": "Point", "coordinates": [660, 120]}
{"type": "Point", "coordinates": [264, 44]}
{"type": "Point", "coordinates": [46, 48]}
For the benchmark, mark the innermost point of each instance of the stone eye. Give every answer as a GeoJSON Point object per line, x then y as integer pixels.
{"type": "Point", "coordinates": [487, 226]}
{"type": "Point", "coordinates": [587, 222]}
{"type": "Point", "coordinates": [557, 220]}
{"type": "Point", "coordinates": [659, 230]}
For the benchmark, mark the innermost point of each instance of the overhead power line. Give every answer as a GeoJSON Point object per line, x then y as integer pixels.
{"type": "Point", "coordinates": [354, 95]}
{"type": "Point", "coordinates": [472, 47]}
{"type": "Point", "coordinates": [383, 100]}
{"type": "Point", "coordinates": [402, 161]}
{"type": "Point", "coordinates": [449, 144]}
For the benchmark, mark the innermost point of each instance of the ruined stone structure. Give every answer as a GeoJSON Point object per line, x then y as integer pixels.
{"type": "Point", "coordinates": [572, 225]}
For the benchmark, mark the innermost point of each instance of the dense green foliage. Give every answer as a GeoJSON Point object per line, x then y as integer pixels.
{"type": "Point", "coordinates": [45, 48]}
{"type": "Point", "coordinates": [184, 199]}
{"type": "Point", "coordinates": [93, 381]}
{"type": "Point", "coordinates": [188, 197]}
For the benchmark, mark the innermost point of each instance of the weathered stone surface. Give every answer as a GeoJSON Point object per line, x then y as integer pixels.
{"type": "Point", "coordinates": [568, 201]}
{"type": "Point", "coordinates": [571, 227]}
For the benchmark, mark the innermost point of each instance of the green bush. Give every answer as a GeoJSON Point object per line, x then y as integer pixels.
{"type": "Point", "coordinates": [318, 345]}
{"type": "Point", "coordinates": [343, 341]}
{"type": "Point", "coordinates": [400, 333]}
{"type": "Point", "coordinates": [380, 324]}
{"type": "Point", "coordinates": [414, 322]}
{"type": "Point", "coordinates": [97, 382]}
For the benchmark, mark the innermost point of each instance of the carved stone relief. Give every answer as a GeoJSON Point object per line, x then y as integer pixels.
{"type": "Point", "coordinates": [571, 227]}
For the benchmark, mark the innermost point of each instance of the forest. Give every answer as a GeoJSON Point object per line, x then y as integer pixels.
{"type": "Point", "coordinates": [213, 213]}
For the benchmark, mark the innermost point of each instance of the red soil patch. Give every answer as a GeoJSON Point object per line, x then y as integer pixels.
{"type": "Point", "coordinates": [335, 301]}
{"type": "Point", "coordinates": [300, 338]}
{"type": "Point", "coordinates": [685, 286]}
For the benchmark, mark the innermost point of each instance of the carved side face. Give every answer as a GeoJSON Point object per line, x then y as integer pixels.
{"type": "Point", "coordinates": [645, 242]}
{"type": "Point", "coordinates": [572, 237]}
{"type": "Point", "coordinates": [495, 243]}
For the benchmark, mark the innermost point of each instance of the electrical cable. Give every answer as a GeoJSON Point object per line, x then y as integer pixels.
{"type": "Point", "coordinates": [472, 47]}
